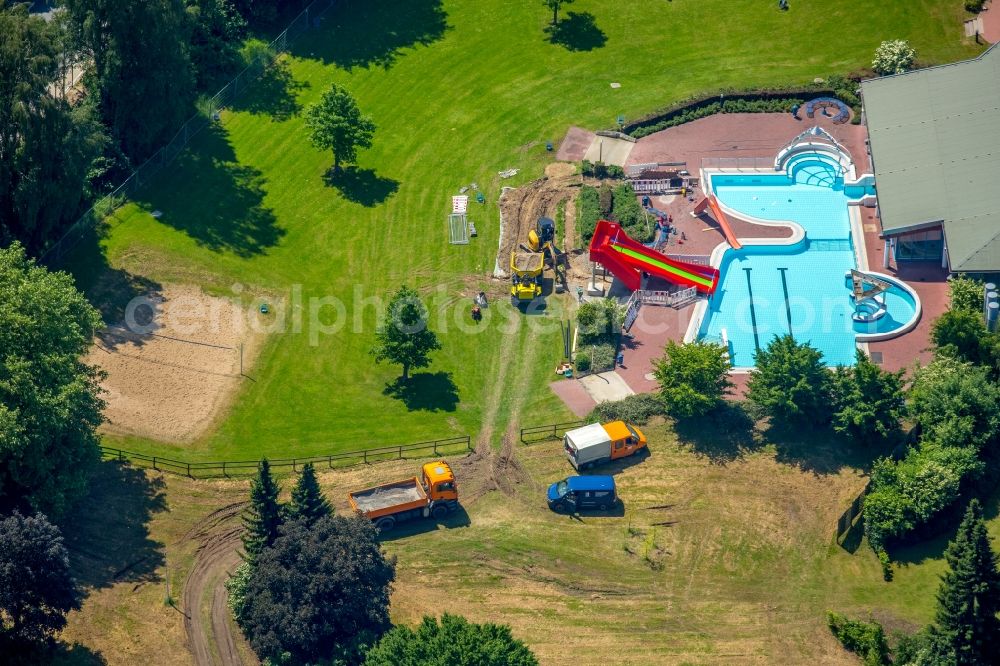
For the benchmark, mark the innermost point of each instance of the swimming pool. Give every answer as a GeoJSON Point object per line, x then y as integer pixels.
{"type": "Point", "coordinates": [798, 287]}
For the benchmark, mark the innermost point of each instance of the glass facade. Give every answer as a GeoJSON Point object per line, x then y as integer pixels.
{"type": "Point", "coordinates": [924, 245]}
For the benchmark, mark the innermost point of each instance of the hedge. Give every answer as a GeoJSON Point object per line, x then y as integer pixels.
{"type": "Point", "coordinates": [588, 212]}
{"type": "Point", "coordinates": [636, 409]}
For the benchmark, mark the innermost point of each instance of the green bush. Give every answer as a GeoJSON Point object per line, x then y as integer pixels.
{"type": "Point", "coordinates": [636, 409]}
{"type": "Point", "coordinates": [705, 109]}
{"type": "Point", "coordinates": [596, 358]}
{"type": "Point", "coordinates": [627, 212]}
{"type": "Point", "coordinates": [605, 200]}
{"type": "Point", "coordinates": [966, 294]}
{"type": "Point", "coordinates": [588, 212]}
{"type": "Point", "coordinates": [865, 639]}
{"type": "Point", "coordinates": [693, 378]}
{"type": "Point", "coordinates": [867, 401]}
{"type": "Point", "coordinates": [974, 6]}
{"type": "Point", "coordinates": [955, 404]}
{"type": "Point", "coordinates": [790, 383]}
{"type": "Point", "coordinates": [909, 493]}
{"type": "Point", "coordinates": [599, 321]}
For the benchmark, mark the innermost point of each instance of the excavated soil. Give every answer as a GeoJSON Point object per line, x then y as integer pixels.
{"type": "Point", "coordinates": [175, 370]}
{"type": "Point", "coordinates": [522, 206]}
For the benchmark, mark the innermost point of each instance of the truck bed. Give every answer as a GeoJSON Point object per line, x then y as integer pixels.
{"type": "Point", "coordinates": [390, 497]}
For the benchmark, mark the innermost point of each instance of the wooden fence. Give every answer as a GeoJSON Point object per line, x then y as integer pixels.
{"type": "Point", "coordinates": [435, 447]}
{"type": "Point", "coordinates": [534, 434]}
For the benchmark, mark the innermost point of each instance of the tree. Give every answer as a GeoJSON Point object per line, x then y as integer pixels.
{"type": "Point", "coordinates": [867, 401]}
{"type": "Point", "coordinates": [36, 588]}
{"type": "Point", "coordinates": [790, 381]}
{"type": "Point", "coordinates": [307, 502]}
{"type": "Point", "coordinates": [966, 293]}
{"type": "Point", "coordinates": [217, 30]}
{"type": "Point", "coordinates": [955, 403]}
{"type": "Point", "coordinates": [453, 642]}
{"type": "Point", "coordinates": [142, 74]}
{"type": "Point", "coordinates": [46, 147]}
{"type": "Point", "coordinates": [961, 333]}
{"type": "Point", "coordinates": [336, 123]}
{"type": "Point", "coordinates": [555, 6]}
{"type": "Point", "coordinates": [263, 517]}
{"type": "Point", "coordinates": [49, 399]}
{"type": "Point", "coordinates": [693, 378]}
{"type": "Point", "coordinates": [969, 597]}
{"type": "Point", "coordinates": [320, 592]}
{"type": "Point", "coordinates": [893, 57]}
{"type": "Point", "coordinates": [403, 337]}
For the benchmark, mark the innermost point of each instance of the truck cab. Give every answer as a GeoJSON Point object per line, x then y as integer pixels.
{"type": "Point", "coordinates": [439, 482]}
{"type": "Point", "coordinates": [576, 493]}
{"type": "Point", "coordinates": [625, 439]}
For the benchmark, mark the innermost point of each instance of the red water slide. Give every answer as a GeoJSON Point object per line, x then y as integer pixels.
{"type": "Point", "coordinates": [712, 204]}
{"type": "Point", "coordinates": [627, 260]}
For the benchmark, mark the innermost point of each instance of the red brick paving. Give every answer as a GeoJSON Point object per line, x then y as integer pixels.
{"type": "Point", "coordinates": [572, 393]}
{"type": "Point", "coordinates": [991, 22]}
{"type": "Point", "coordinates": [575, 144]}
{"type": "Point", "coordinates": [758, 135]}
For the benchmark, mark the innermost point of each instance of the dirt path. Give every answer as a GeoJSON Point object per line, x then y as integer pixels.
{"type": "Point", "coordinates": [209, 631]}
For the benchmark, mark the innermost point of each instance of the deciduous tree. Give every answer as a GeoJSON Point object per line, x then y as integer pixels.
{"type": "Point", "coordinates": [867, 401]}
{"type": "Point", "coordinates": [320, 592]}
{"type": "Point", "coordinates": [693, 377]}
{"type": "Point", "coordinates": [790, 382]}
{"type": "Point", "coordinates": [555, 6]}
{"type": "Point", "coordinates": [336, 123]}
{"type": "Point", "coordinates": [46, 147]}
{"type": "Point", "coordinates": [49, 398]}
{"type": "Point", "coordinates": [454, 641]}
{"type": "Point", "coordinates": [142, 69]}
{"type": "Point", "coordinates": [403, 337]}
{"type": "Point", "coordinates": [36, 588]}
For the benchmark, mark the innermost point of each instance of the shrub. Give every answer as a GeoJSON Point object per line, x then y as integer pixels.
{"type": "Point", "coordinates": [588, 212]}
{"type": "Point", "coordinates": [236, 587]}
{"type": "Point", "coordinates": [866, 639]}
{"type": "Point", "coordinates": [705, 108]}
{"type": "Point", "coordinates": [974, 6]}
{"type": "Point", "coordinates": [962, 334]}
{"type": "Point", "coordinates": [596, 357]}
{"type": "Point", "coordinates": [867, 401]}
{"type": "Point", "coordinates": [629, 214]}
{"type": "Point", "coordinates": [790, 382]}
{"type": "Point", "coordinates": [637, 409]}
{"type": "Point", "coordinates": [966, 294]}
{"type": "Point", "coordinates": [453, 642]}
{"type": "Point", "coordinates": [605, 200]}
{"type": "Point", "coordinates": [693, 378]}
{"type": "Point", "coordinates": [955, 403]}
{"type": "Point", "coordinates": [599, 321]}
{"type": "Point", "coordinates": [893, 57]}
{"type": "Point", "coordinates": [909, 493]}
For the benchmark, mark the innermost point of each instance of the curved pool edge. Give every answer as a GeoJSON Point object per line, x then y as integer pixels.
{"type": "Point", "coordinates": [905, 328]}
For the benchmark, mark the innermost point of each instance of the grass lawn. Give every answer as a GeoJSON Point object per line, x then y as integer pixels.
{"type": "Point", "coordinates": [459, 90]}
{"type": "Point", "coordinates": [722, 554]}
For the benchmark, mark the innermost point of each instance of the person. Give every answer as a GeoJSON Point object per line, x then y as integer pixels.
{"type": "Point", "coordinates": [579, 293]}
{"type": "Point", "coordinates": [477, 314]}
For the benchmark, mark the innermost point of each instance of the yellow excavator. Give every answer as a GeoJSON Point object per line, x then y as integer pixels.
{"type": "Point", "coordinates": [527, 263]}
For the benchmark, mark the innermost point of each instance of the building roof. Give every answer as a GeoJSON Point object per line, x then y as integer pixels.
{"type": "Point", "coordinates": [936, 152]}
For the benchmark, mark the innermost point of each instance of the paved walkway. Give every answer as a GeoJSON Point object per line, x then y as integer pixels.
{"type": "Point", "coordinates": [991, 22]}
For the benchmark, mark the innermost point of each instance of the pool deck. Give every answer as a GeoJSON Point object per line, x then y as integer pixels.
{"type": "Point", "coordinates": [759, 135]}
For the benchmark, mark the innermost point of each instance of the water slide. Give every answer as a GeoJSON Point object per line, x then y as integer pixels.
{"type": "Point", "coordinates": [712, 204]}
{"type": "Point", "coordinates": [628, 259]}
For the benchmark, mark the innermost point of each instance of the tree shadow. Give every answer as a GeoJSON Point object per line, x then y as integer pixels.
{"type": "Point", "coordinates": [578, 31]}
{"type": "Point", "coordinates": [723, 435]}
{"type": "Point", "coordinates": [361, 33]}
{"type": "Point", "coordinates": [274, 94]}
{"type": "Point", "coordinates": [361, 186]}
{"type": "Point", "coordinates": [425, 391]}
{"type": "Point", "coordinates": [107, 532]}
{"type": "Point", "coordinates": [77, 654]}
{"type": "Point", "coordinates": [108, 289]}
{"type": "Point", "coordinates": [818, 449]}
{"type": "Point", "coordinates": [215, 200]}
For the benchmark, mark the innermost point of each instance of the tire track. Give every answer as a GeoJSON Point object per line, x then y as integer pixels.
{"type": "Point", "coordinates": [211, 638]}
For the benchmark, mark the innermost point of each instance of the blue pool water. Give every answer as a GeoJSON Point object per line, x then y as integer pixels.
{"type": "Point", "coordinates": [800, 289]}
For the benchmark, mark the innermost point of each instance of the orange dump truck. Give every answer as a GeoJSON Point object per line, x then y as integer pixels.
{"type": "Point", "coordinates": [600, 443]}
{"type": "Point", "coordinates": [432, 494]}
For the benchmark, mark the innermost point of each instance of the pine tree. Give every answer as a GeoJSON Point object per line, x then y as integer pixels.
{"type": "Point", "coordinates": [308, 502]}
{"type": "Point", "coordinates": [966, 623]}
{"type": "Point", "coordinates": [263, 517]}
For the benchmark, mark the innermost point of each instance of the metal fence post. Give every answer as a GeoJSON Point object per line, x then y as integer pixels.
{"type": "Point", "coordinates": [154, 463]}
{"type": "Point", "coordinates": [224, 468]}
{"type": "Point", "coordinates": [189, 470]}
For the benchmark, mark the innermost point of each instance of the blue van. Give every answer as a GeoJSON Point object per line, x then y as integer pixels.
{"type": "Point", "coordinates": [583, 492]}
